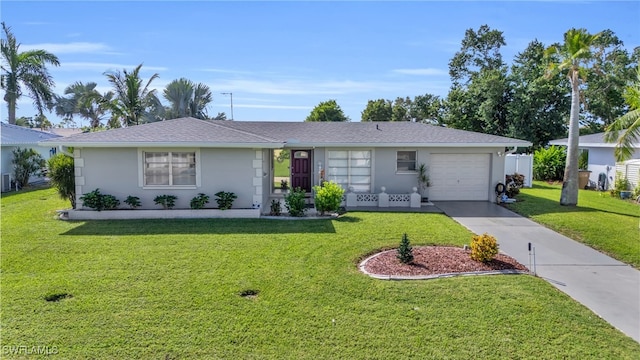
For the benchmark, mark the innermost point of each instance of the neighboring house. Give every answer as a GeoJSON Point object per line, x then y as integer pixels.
{"type": "Point", "coordinates": [601, 158]}
{"type": "Point", "coordinates": [12, 137]}
{"type": "Point", "coordinates": [255, 160]}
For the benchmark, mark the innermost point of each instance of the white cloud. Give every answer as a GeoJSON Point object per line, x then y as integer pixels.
{"type": "Point", "coordinates": [74, 66]}
{"type": "Point", "coordinates": [425, 72]}
{"type": "Point", "coordinates": [70, 48]}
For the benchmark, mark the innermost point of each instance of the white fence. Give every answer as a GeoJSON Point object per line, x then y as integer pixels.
{"type": "Point", "coordinates": [521, 164]}
{"type": "Point", "coordinates": [630, 169]}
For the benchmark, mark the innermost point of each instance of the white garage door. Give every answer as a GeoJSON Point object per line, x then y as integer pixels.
{"type": "Point", "coordinates": [459, 177]}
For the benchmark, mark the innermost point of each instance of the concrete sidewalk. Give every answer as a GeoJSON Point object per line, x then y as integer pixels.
{"type": "Point", "coordinates": [608, 287]}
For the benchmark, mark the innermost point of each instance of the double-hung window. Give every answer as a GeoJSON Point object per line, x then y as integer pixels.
{"type": "Point", "coordinates": [406, 161]}
{"type": "Point", "coordinates": [169, 168]}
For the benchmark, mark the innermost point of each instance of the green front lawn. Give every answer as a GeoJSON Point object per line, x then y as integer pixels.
{"type": "Point", "coordinates": [170, 290]}
{"type": "Point", "coordinates": [605, 223]}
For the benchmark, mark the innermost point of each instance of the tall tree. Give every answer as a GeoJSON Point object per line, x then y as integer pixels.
{"type": "Point", "coordinates": [28, 70]}
{"type": "Point", "coordinates": [613, 68]}
{"type": "Point", "coordinates": [187, 99]}
{"type": "Point", "coordinates": [84, 100]}
{"type": "Point", "coordinates": [427, 108]}
{"type": "Point", "coordinates": [574, 56]}
{"type": "Point", "coordinates": [133, 99]}
{"type": "Point", "coordinates": [378, 110]}
{"type": "Point", "coordinates": [626, 129]}
{"type": "Point", "coordinates": [480, 91]}
{"type": "Point", "coordinates": [401, 109]}
{"type": "Point", "coordinates": [327, 111]}
{"type": "Point", "coordinates": [539, 106]}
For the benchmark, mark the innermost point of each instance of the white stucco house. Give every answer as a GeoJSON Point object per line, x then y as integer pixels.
{"type": "Point", "coordinates": [13, 137]}
{"type": "Point", "coordinates": [601, 155]}
{"type": "Point", "coordinates": [187, 156]}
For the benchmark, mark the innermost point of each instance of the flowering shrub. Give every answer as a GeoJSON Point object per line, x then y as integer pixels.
{"type": "Point", "coordinates": [483, 247]}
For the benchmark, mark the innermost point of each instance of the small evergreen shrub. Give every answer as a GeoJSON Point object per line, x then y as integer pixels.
{"type": "Point", "coordinates": [276, 209]}
{"type": "Point", "coordinates": [405, 251]}
{"type": "Point", "coordinates": [548, 164]}
{"type": "Point", "coordinates": [294, 202]}
{"type": "Point", "coordinates": [225, 199]}
{"type": "Point", "coordinates": [98, 201]}
{"type": "Point", "coordinates": [328, 197]}
{"type": "Point", "coordinates": [199, 201]}
{"type": "Point", "coordinates": [132, 201]}
{"type": "Point", "coordinates": [62, 176]}
{"type": "Point", "coordinates": [483, 247]}
{"type": "Point", "coordinates": [167, 201]}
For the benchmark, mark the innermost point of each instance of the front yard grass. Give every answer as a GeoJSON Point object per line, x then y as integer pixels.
{"type": "Point", "coordinates": [607, 224]}
{"type": "Point", "coordinates": [170, 290]}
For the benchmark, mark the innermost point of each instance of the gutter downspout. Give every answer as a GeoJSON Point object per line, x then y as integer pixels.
{"type": "Point", "coordinates": [64, 151]}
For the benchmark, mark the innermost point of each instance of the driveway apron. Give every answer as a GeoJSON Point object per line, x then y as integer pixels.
{"type": "Point", "coordinates": [608, 287]}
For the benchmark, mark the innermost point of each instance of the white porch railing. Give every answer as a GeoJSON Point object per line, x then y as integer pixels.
{"type": "Point", "coordinates": [383, 199]}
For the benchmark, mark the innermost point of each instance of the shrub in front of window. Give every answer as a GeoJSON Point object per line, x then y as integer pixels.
{"type": "Point", "coordinates": [26, 162]}
{"type": "Point", "coordinates": [167, 201]}
{"type": "Point", "coordinates": [405, 251]}
{"type": "Point", "coordinates": [483, 247]}
{"type": "Point", "coordinates": [225, 199]}
{"type": "Point", "coordinates": [98, 201]}
{"type": "Point", "coordinates": [294, 202]}
{"type": "Point", "coordinates": [199, 201]}
{"type": "Point", "coordinates": [133, 201]}
{"type": "Point", "coordinates": [328, 197]}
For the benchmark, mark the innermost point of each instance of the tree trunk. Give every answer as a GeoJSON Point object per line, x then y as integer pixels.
{"type": "Point", "coordinates": [11, 107]}
{"type": "Point", "coordinates": [569, 195]}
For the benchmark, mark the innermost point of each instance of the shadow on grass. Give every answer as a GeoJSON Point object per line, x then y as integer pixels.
{"type": "Point", "coordinates": [530, 205]}
{"type": "Point", "coordinates": [201, 226]}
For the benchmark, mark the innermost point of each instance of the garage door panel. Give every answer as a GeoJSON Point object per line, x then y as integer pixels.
{"type": "Point", "coordinates": [459, 177]}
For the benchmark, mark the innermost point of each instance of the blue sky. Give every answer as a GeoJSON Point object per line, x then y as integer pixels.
{"type": "Point", "coordinates": [280, 59]}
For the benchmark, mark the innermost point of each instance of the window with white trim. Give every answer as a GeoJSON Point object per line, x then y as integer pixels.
{"type": "Point", "coordinates": [169, 168]}
{"type": "Point", "coordinates": [406, 161]}
{"type": "Point", "coordinates": [350, 169]}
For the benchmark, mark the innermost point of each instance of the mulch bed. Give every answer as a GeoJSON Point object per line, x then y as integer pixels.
{"type": "Point", "coordinates": [433, 260]}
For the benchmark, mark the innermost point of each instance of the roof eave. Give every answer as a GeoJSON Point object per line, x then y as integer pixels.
{"type": "Point", "coordinates": [138, 144]}
{"type": "Point", "coordinates": [399, 144]}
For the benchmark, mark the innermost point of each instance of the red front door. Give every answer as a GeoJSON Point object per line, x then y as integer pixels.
{"type": "Point", "coordinates": [301, 169]}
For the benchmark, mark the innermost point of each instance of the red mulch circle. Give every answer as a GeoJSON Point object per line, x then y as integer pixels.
{"type": "Point", "coordinates": [433, 260]}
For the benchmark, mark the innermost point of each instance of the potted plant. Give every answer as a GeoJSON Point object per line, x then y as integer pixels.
{"type": "Point", "coordinates": [423, 182]}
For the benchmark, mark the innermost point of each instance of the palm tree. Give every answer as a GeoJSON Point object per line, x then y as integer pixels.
{"type": "Point", "coordinates": [26, 70]}
{"type": "Point", "coordinates": [628, 124]}
{"type": "Point", "coordinates": [573, 54]}
{"type": "Point", "coordinates": [85, 101]}
{"type": "Point", "coordinates": [187, 99]}
{"type": "Point", "coordinates": [132, 100]}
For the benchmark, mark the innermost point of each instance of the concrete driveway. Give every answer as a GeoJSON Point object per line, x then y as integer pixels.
{"type": "Point", "coordinates": [608, 287]}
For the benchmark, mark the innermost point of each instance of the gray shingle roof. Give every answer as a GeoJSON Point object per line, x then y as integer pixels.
{"type": "Point", "coordinates": [194, 132]}
{"type": "Point", "coordinates": [591, 140]}
{"type": "Point", "coordinates": [17, 135]}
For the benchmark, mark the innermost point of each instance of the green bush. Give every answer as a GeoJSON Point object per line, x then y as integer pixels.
{"type": "Point", "coordinates": [275, 208]}
{"type": "Point", "coordinates": [133, 201]}
{"type": "Point", "coordinates": [548, 164]}
{"type": "Point", "coordinates": [328, 197]}
{"type": "Point", "coordinates": [225, 199]}
{"type": "Point", "coordinates": [405, 251]}
{"type": "Point", "coordinates": [199, 201]}
{"type": "Point", "coordinates": [483, 247]}
{"type": "Point", "coordinates": [98, 201]}
{"type": "Point", "coordinates": [294, 202]}
{"type": "Point", "coordinates": [62, 175]}
{"type": "Point", "coordinates": [167, 201]}
{"type": "Point", "coordinates": [26, 162]}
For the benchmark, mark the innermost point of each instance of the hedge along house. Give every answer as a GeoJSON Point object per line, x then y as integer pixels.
{"type": "Point", "coordinates": [258, 160]}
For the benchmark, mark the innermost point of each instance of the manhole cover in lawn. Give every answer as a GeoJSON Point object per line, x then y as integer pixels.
{"type": "Point", "coordinates": [57, 297]}
{"type": "Point", "coordinates": [249, 293]}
